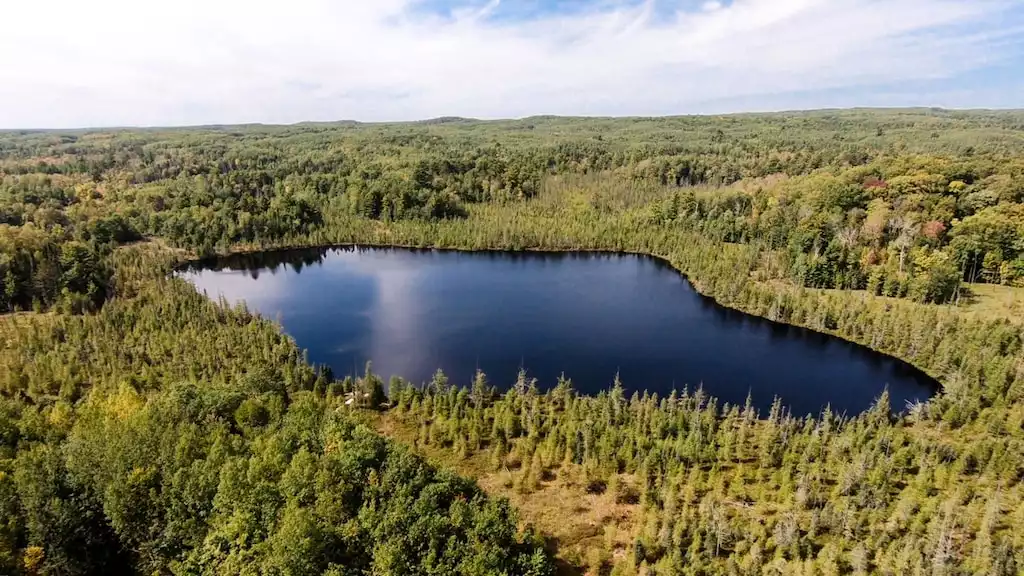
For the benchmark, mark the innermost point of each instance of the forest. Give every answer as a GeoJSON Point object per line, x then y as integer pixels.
{"type": "Point", "coordinates": [146, 429]}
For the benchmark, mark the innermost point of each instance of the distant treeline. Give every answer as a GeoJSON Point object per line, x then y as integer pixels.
{"type": "Point", "coordinates": [904, 203]}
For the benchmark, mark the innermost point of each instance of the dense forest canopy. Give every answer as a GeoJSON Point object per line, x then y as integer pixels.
{"type": "Point", "coordinates": [145, 429]}
{"type": "Point", "coordinates": [903, 203]}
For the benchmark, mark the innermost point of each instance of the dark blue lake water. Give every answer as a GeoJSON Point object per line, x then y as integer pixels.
{"type": "Point", "coordinates": [587, 316]}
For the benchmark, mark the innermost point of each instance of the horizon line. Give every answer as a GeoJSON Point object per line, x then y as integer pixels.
{"type": "Point", "coordinates": [452, 119]}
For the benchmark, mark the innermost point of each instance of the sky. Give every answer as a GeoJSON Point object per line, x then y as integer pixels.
{"type": "Point", "coordinates": [69, 63]}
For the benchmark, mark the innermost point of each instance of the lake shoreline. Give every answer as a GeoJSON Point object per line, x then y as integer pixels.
{"type": "Point", "coordinates": [210, 262]}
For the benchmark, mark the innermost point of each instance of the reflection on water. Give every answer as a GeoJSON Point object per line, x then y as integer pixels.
{"type": "Point", "coordinates": [587, 316]}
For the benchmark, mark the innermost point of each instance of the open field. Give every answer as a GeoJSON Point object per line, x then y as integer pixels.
{"type": "Point", "coordinates": [993, 301]}
{"type": "Point", "coordinates": [581, 526]}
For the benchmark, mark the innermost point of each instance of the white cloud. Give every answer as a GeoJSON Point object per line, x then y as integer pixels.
{"type": "Point", "coordinates": [126, 62]}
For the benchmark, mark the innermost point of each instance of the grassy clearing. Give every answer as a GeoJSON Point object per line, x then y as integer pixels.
{"type": "Point", "coordinates": [992, 301]}
{"type": "Point", "coordinates": [13, 322]}
{"type": "Point", "coordinates": [586, 527]}
{"type": "Point", "coordinates": [980, 301]}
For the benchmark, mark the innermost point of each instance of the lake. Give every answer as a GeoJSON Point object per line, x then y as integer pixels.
{"type": "Point", "coordinates": [587, 316]}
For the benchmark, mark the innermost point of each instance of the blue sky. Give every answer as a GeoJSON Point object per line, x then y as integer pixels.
{"type": "Point", "coordinates": [124, 62]}
{"type": "Point", "coordinates": [525, 10]}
